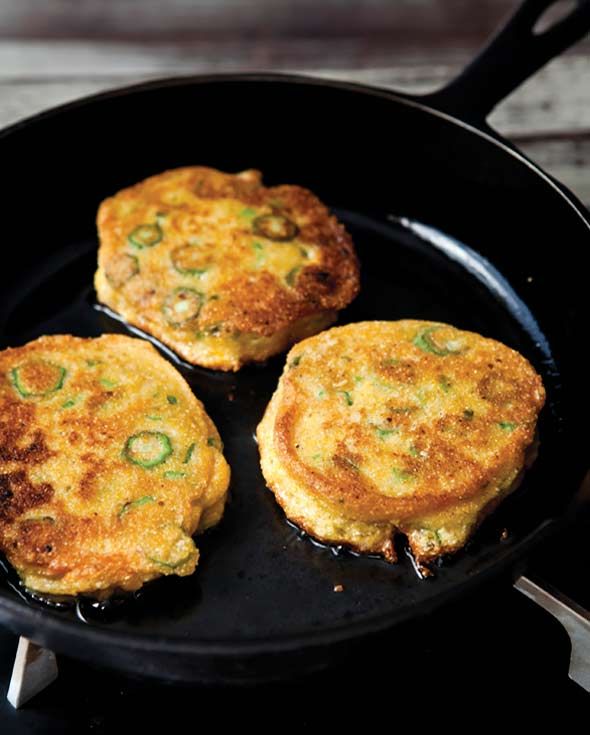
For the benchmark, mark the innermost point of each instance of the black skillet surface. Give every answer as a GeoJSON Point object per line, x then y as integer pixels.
{"type": "Point", "coordinates": [450, 224]}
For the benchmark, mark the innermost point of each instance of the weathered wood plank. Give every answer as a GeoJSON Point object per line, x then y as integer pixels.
{"type": "Point", "coordinates": [432, 21]}
{"type": "Point", "coordinates": [41, 59]}
{"type": "Point", "coordinates": [34, 75]}
{"type": "Point", "coordinates": [568, 160]}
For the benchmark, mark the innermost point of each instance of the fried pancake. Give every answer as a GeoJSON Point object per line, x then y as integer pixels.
{"type": "Point", "coordinates": [220, 268]}
{"type": "Point", "coordinates": [108, 465]}
{"type": "Point", "coordinates": [410, 426]}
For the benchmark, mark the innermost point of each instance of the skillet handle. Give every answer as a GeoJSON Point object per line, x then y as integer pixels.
{"type": "Point", "coordinates": [513, 55]}
{"type": "Point", "coordinates": [574, 619]}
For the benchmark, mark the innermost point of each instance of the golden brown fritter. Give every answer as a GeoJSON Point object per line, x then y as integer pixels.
{"type": "Point", "coordinates": [108, 465]}
{"type": "Point", "coordinates": [410, 426]}
{"type": "Point", "coordinates": [220, 268]}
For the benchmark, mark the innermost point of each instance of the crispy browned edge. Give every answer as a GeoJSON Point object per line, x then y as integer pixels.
{"type": "Point", "coordinates": [361, 496]}
{"type": "Point", "coordinates": [386, 550]}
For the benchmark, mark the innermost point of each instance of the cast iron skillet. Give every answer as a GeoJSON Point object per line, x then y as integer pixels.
{"type": "Point", "coordinates": [450, 222]}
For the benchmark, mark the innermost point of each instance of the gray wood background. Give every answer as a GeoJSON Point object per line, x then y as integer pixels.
{"type": "Point", "coordinates": [52, 51]}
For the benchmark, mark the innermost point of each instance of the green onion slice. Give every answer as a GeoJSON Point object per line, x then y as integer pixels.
{"type": "Point", "coordinates": [182, 306]}
{"type": "Point", "coordinates": [146, 236]}
{"type": "Point", "coordinates": [189, 453]}
{"type": "Point", "coordinates": [507, 425]}
{"type": "Point", "coordinates": [135, 504]}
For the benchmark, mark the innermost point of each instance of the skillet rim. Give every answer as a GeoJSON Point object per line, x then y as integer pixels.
{"type": "Point", "coordinates": [16, 614]}
{"type": "Point", "coordinates": [419, 102]}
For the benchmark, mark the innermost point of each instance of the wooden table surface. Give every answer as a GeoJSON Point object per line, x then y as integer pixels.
{"type": "Point", "coordinates": [55, 51]}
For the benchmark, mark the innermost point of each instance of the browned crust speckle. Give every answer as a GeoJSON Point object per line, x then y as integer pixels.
{"type": "Point", "coordinates": [18, 494]}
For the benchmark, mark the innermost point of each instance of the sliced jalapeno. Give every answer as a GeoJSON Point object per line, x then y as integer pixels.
{"type": "Point", "coordinates": [146, 235]}
{"type": "Point", "coordinates": [182, 305]}
{"type": "Point", "coordinates": [426, 342]}
{"type": "Point", "coordinates": [148, 448]}
{"type": "Point", "coordinates": [37, 378]}
{"type": "Point", "coordinates": [189, 260]}
{"type": "Point", "coordinates": [121, 269]}
{"type": "Point", "coordinates": [275, 227]}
